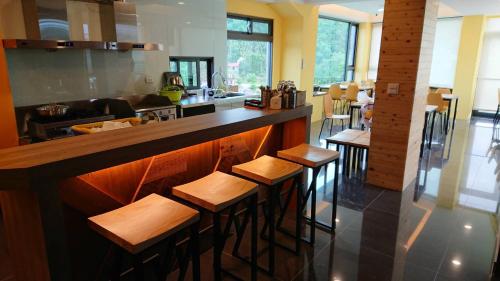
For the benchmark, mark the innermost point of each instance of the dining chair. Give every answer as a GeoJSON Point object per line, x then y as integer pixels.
{"type": "Point", "coordinates": [351, 95]}
{"type": "Point", "coordinates": [435, 98]}
{"type": "Point", "coordinates": [329, 115]}
{"type": "Point", "coordinates": [336, 94]}
{"type": "Point", "coordinates": [443, 91]}
{"type": "Point", "coordinates": [497, 114]}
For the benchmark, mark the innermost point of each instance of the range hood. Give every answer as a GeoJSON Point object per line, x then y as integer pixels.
{"type": "Point", "coordinates": [72, 24]}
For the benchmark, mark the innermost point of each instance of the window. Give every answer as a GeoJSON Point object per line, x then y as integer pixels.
{"type": "Point", "coordinates": [196, 72]}
{"type": "Point", "coordinates": [375, 51]}
{"type": "Point", "coordinates": [335, 51]}
{"type": "Point", "coordinates": [445, 52]}
{"type": "Point", "coordinates": [488, 81]}
{"type": "Point", "coordinates": [249, 52]}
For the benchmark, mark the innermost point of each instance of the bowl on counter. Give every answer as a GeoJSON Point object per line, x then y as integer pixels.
{"type": "Point", "coordinates": [173, 93]}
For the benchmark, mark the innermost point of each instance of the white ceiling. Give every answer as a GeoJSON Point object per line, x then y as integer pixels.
{"type": "Point", "coordinates": [451, 7]}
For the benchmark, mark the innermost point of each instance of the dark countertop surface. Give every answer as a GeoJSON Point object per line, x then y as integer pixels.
{"type": "Point", "coordinates": [22, 166]}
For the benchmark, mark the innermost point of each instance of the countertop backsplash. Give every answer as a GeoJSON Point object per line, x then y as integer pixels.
{"type": "Point", "coordinates": [197, 28]}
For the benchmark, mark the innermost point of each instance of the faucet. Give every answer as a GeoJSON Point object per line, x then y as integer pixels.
{"type": "Point", "coordinates": [219, 85]}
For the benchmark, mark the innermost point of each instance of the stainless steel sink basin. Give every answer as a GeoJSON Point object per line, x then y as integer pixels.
{"type": "Point", "coordinates": [230, 95]}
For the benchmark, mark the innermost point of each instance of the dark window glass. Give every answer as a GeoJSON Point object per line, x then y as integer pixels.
{"type": "Point", "coordinates": [196, 72]}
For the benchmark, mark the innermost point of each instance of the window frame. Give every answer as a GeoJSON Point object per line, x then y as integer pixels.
{"type": "Point", "coordinates": [251, 36]}
{"type": "Point", "coordinates": [210, 68]}
{"type": "Point", "coordinates": [347, 67]}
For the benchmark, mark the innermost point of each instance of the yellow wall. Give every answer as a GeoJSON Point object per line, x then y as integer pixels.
{"type": "Point", "coordinates": [469, 56]}
{"type": "Point", "coordinates": [363, 51]}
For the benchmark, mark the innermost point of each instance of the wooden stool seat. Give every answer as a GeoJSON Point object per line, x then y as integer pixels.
{"type": "Point", "coordinates": [268, 170]}
{"type": "Point", "coordinates": [144, 223]}
{"type": "Point", "coordinates": [216, 191]}
{"type": "Point", "coordinates": [308, 155]}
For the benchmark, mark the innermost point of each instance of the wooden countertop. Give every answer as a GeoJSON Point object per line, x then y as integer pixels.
{"type": "Point", "coordinates": [58, 159]}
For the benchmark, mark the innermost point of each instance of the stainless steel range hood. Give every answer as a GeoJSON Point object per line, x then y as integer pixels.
{"type": "Point", "coordinates": [72, 24]}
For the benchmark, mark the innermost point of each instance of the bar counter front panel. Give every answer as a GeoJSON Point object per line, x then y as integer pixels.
{"type": "Point", "coordinates": [49, 189]}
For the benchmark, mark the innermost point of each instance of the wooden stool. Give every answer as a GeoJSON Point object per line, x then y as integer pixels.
{"type": "Point", "coordinates": [216, 193]}
{"type": "Point", "coordinates": [315, 158]}
{"type": "Point", "coordinates": [145, 223]}
{"type": "Point", "coordinates": [272, 173]}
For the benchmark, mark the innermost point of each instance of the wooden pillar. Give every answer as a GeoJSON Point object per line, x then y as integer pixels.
{"type": "Point", "coordinates": [405, 58]}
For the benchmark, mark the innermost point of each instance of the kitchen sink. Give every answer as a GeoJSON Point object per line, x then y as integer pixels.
{"type": "Point", "coordinates": [230, 95]}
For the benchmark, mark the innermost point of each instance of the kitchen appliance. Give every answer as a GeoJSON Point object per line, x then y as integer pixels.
{"type": "Point", "coordinates": [151, 107]}
{"type": "Point", "coordinates": [43, 128]}
{"type": "Point", "coordinates": [173, 79]}
{"type": "Point", "coordinates": [52, 110]}
{"type": "Point", "coordinates": [56, 24]}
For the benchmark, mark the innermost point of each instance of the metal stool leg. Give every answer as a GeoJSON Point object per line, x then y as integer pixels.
{"type": "Point", "coordinates": [217, 257]}
{"type": "Point", "coordinates": [138, 268]}
{"type": "Point", "coordinates": [195, 251]}
{"type": "Point", "coordinates": [253, 255]}
{"type": "Point", "coordinates": [271, 225]}
{"type": "Point", "coordinates": [335, 195]}
{"type": "Point", "coordinates": [313, 205]}
{"type": "Point", "coordinates": [298, 216]}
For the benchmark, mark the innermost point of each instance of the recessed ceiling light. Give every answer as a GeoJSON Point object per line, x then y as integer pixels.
{"type": "Point", "coordinates": [337, 220]}
{"type": "Point", "coordinates": [468, 226]}
{"type": "Point", "coordinates": [380, 10]}
{"type": "Point", "coordinates": [188, 22]}
{"type": "Point", "coordinates": [180, 3]}
{"type": "Point", "coordinates": [456, 262]}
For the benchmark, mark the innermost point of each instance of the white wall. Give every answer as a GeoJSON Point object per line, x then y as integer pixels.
{"type": "Point", "coordinates": [197, 28]}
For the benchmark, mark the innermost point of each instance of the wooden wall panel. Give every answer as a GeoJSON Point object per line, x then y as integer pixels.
{"type": "Point", "coordinates": [405, 58]}
{"type": "Point", "coordinates": [8, 127]}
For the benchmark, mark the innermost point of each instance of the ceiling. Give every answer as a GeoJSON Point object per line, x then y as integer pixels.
{"type": "Point", "coordinates": [450, 7]}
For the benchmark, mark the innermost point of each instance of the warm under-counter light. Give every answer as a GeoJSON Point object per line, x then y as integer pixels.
{"type": "Point", "coordinates": [456, 262]}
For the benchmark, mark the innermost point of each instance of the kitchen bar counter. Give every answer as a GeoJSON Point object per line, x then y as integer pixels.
{"type": "Point", "coordinates": [31, 175]}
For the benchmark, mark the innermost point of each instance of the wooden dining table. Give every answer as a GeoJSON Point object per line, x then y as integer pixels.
{"type": "Point", "coordinates": [357, 139]}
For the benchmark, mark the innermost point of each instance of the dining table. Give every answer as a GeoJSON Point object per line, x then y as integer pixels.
{"type": "Point", "coordinates": [351, 139]}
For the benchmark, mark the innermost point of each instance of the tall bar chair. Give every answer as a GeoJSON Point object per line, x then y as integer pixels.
{"type": "Point", "coordinates": [314, 158]}
{"type": "Point", "coordinates": [220, 193]}
{"type": "Point", "coordinates": [147, 224]}
{"type": "Point", "coordinates": [272, 173]}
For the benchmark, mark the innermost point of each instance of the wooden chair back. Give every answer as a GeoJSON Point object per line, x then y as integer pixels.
{"type": "Point", "coordinates": [443, 91]}
{"type": "Point", "coordinates": [437, 100]}
{"type": "Point", "coordinates": [351, 93]}
{"type": "Point", "coordinates": [328, 106]}
{"type": "Point", "coordinates": [335, 92]}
